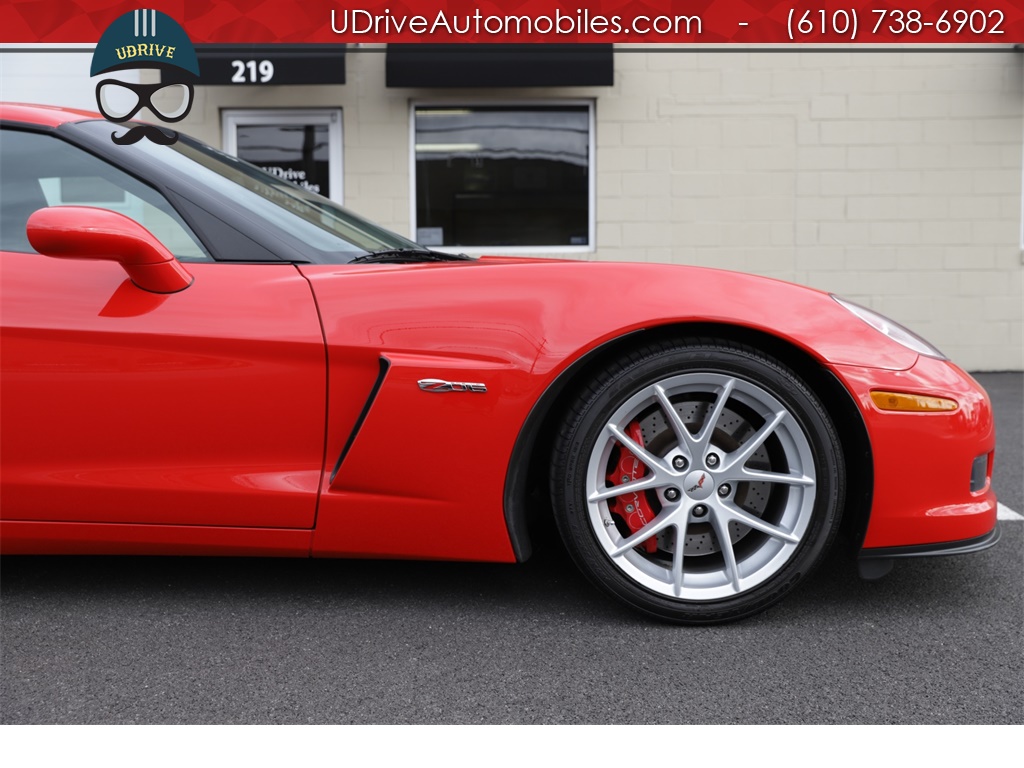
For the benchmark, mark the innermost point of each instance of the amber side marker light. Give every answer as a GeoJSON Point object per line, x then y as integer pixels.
{"type": "Point", "coordinates": [901, 401]}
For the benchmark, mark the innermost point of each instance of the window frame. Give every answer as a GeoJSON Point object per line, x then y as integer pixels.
{"type": "Point", "coordinates": [332, 117]}
{"type": "Point", "coordinates": [477, 250]}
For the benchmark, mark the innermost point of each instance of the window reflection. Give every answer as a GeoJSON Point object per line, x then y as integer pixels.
{"type": "Point", "coordinates": [295, 153]}
{"type": "Point", "coordinates": [516, 176]}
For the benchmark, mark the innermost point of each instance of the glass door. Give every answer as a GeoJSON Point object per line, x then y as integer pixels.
{"type": "Point", "coordinates": [300, 146]}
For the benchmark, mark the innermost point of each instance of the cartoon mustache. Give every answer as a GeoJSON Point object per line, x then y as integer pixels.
{"type": "Point", "coordinates": [138, 133]}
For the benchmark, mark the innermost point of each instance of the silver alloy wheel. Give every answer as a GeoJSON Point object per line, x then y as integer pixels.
{"type": "Point", "coordinates": [728, 516]}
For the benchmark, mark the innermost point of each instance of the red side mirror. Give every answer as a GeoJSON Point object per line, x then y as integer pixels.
{"type": "Point", "coordinates": [80, 232]}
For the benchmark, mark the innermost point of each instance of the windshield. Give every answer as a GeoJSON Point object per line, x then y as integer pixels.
{"type": "Point", "coordinates": [317, 223]}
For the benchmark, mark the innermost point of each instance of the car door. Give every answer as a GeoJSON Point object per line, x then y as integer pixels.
{"type": "Point", "coordinates": [119, 405]}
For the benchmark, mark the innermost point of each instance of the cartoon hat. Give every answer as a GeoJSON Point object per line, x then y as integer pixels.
{"type": "Point", "coordinates": [144, 39]}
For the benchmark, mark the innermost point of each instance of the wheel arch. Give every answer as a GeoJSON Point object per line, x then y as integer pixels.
{"type": "Point", "coordinates": [526, 499]}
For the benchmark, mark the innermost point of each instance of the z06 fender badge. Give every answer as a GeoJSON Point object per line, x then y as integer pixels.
{"type": "Point", "coordinates": [440, 385]}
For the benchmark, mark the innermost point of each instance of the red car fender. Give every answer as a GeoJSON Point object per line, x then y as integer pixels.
{"type": "Point", "coordinates": [424, 474]}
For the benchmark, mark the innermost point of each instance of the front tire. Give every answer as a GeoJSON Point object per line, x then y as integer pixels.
{"type": "Point", "coordinates": [698, 481]}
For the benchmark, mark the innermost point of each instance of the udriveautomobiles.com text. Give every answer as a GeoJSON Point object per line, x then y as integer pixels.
{"type": "Point", "coordinates": [583, 22]}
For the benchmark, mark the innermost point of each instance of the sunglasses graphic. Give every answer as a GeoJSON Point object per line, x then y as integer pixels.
{"type": "Point", "coordinates": [120, 101]}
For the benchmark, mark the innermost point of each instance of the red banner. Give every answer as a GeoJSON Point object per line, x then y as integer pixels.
{"type": "Point", "coordinates": [721, 22]}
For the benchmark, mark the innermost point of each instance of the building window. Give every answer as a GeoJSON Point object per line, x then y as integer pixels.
{"type": "Point", "coordinates": [303, 147]}
{"type": "Point", "coordinates": [518, 178]}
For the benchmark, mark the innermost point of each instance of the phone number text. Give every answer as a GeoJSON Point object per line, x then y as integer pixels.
{"type": "Point", "coordinates": [886, 23]}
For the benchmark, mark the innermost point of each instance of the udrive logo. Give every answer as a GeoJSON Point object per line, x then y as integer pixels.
{"type": "Point", "coordinates": [137, 40]}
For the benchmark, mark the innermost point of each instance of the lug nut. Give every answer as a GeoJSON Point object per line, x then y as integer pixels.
{"type": "Point", "coordinates": [672, 494]}
{"type": "Point", "coordinates": [700, 510]}
{"type": "Point", "coordinates": [679, 462]}
{"type": "Point", "coordinates": [712, 460]}
{"type": "Point", "coordinates": [724, 489]}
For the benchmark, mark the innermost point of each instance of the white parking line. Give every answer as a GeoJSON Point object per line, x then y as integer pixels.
{"type": "Point", "coordinates": [1005, 513]}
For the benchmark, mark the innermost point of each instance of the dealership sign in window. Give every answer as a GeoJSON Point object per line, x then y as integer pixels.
{"type": "Point", "coordinates": [514, 177]}
{"type": "Point", "coordinates": [303, 148]}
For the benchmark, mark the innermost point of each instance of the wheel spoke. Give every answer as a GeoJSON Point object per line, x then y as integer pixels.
{"type": "Point", "coordinates": [677, 560]}
{"type": "Point", "coordinates": [687, 442]}
{"type": "Point", "coordinates": [653, 528]}
{"type": "Point", "coordinates": [653, 462]}
{"type": "Point", "coordinates": [735, 513]}
{"type": "Point", "coordinates": [703, 438]}
{"type": "Point", "coordinates": [757, 476]}
{"type": "Point", "coordinates": [610, 492]}
{"type": "Point", "coordinates": [741, 455]}
{"type": "Point", "coordinates": [721, 525]}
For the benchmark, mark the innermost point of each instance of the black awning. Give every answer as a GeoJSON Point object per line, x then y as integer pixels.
{"type": "Point", "coordinates": [271, 64]}
{"type": "Point", "coordinates": [498, 66]}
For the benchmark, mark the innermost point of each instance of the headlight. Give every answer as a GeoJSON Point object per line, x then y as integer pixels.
{"type": "Point", "coordinates": [892, 329]}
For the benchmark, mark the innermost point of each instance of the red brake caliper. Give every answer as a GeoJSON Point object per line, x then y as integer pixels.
{"type": "Point", "coordinates": [632, 507]}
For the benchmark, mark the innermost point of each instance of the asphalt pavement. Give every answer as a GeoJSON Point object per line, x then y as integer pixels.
{"type": "Point", "coordinates": [191, 640]}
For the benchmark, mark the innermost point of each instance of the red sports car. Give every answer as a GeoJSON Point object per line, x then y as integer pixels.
{"type": "Point", "coordinates": [220, 363]}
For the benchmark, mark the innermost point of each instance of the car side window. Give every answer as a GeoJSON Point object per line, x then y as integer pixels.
{"type": "Point", "coordinates": [41, 170]}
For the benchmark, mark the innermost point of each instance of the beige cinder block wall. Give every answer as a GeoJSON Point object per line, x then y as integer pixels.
{"type": "Point", "coordinates": [893, 178]}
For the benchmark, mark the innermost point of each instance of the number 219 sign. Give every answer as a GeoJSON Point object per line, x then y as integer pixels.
{"type": "Point", "coordinates": [271, 64]}
{"type": "Point", "coordinates": [252, 71]}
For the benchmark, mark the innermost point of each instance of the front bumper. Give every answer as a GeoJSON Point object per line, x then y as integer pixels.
{"type": "Point", "coordinates": [922, 500]}
{"type": "Point", "coordinates": [877, 562]}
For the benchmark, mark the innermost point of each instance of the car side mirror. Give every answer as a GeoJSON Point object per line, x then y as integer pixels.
{"type": "Point", "coordinates": [81, 232]}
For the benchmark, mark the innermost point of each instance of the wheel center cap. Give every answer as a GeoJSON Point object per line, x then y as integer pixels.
{"type": "Point", "coordinates": [698, 484]}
